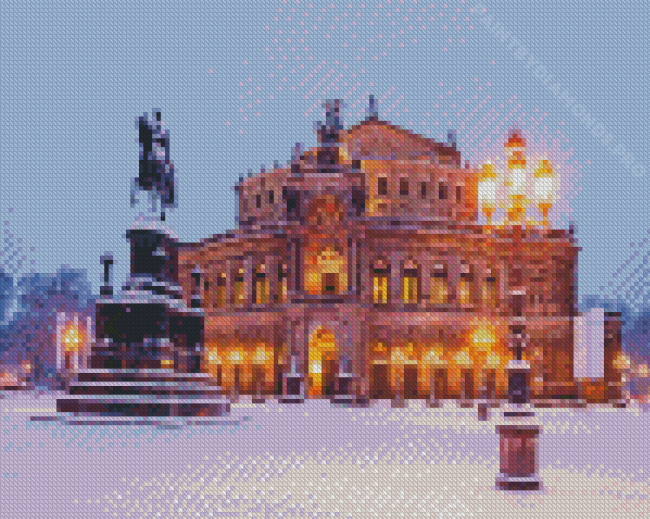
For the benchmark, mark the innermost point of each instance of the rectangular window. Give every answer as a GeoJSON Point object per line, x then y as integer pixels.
{"type": "Point", "coordinates": [443, 192]}
{"type": "Point", "coordinates": [403, 187]}
{"type": "Point", "coordinates": [221, 290]}
{"type": "Point", "coordinates": [382, 186]}
{"type": "Point", "coordinates": [283, 282]}
{"type": "Point", "coordinates": [258, 201]}
{"type": "Point", "coordinates": [239, 287]}
{"type": "Point", "coordinates": [261, 289]}
{"type": "Point", "coordinates": [459, 193]}
{"type": "Point", "coordinates": [271, 197]}
{"type": "Point", "coordinates": [423, 190]}
{"type": "Point", "coordinates": [292, 203]}
{"type": "Point", "coordinates": [196, 296]}
{"type": "Point", "coordinates": [380, 291]}
{"type": "Point", "coordinates": [410, 287]}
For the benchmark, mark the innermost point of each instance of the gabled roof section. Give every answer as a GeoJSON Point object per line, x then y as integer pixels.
{"type": "Point", "coordinates": [373, 139]}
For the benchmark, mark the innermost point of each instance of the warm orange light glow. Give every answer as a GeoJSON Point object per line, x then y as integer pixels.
{"type": "Point", "coordinates": [484, 338]}
{"type": "Point", "coordinates": [72, 339]}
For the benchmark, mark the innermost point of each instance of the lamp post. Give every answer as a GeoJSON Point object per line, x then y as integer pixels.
{"type": "Point", "coordinates": [464, 361]}
{"type": "Point", "coordinates": [436, 377]}
{"type": "Point", "coordinates": [397, 376]}
{"type": "Point", "coordinates": [488, 388]}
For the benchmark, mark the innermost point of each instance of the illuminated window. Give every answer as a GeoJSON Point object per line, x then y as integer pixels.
{"type": "Point", "coordinates": [239, 287]}
{"type": "Point", "coordinates": [382, 186]}
{"type": "Point", "coordinates": [380, 284]}
{"type": "Point", "coordinates": [261, 286]}
{"type": "Point", "coordinates": [465, 289]}
{"type": "Point", "coordinates": [221, 290]}
{"type": "Point", "coordinates": [490, 293]}
{"type": "Point", "coordinates": [283, 282]}
{"type": "Point", "coordinates": [439, 286]}
{"type": "Point", "coordinates": [410, 286]}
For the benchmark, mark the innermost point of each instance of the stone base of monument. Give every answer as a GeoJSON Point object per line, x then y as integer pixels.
{"type": "Point", "coordinates": [518, 457]}
{"type": "Point", "coordinates": [158, 393]}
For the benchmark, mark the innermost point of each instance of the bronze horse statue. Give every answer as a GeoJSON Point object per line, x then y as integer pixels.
{"type": "Point", "coordinates": [156, 172]}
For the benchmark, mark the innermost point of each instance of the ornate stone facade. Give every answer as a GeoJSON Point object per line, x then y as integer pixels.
{"type": "Point", "coordinates": [360, 271]}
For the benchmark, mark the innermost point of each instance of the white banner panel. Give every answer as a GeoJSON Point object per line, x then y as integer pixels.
{"type": "Point", "coordinates": [589, 345]}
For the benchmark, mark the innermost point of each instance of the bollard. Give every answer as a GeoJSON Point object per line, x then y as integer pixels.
{"type": "Point", "coordinates": [483, 410]}
{"type": "Point", "coordinates": [518, 450]}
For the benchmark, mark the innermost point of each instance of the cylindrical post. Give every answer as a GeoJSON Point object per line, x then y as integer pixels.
{"type": "Point", "coordinates": [518, 457]}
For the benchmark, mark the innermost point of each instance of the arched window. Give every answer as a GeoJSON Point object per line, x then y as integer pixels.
{"type": "Point", "coordinates": [439, 284]}
{"type": "Point", "coordinates": [466, 286]}
{"type": "Point", "coordinates": [465, 289]}
{"type": "Point", "coordinates": [491, 290]}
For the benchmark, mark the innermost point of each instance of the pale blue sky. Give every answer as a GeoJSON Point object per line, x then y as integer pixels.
{"type": "Point", "coordinates": [75, 75]}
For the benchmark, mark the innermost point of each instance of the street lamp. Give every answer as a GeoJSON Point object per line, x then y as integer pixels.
{"type": "Point", "coordinates": [518, 441]}
{"type": "Point", "coordinates": [434, 362]}
{"type": "Point", "coordinates": [544, 188]}
{"type": "Point", "coordinates": [467, 378]}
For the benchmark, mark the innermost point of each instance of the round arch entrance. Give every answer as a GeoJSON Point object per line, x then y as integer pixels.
{"type": "Point", "coordinates": [323, 363]}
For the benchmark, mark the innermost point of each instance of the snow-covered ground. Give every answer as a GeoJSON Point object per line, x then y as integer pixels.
{"type": "Point", "coordinates": [317, 460]}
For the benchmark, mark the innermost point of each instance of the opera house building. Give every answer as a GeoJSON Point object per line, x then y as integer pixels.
{"type": "Point", "coordinates": [360, 271]}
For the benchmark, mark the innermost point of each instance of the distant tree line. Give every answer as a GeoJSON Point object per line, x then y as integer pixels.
{"type": "Point", "coordinates": [29, 333]}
